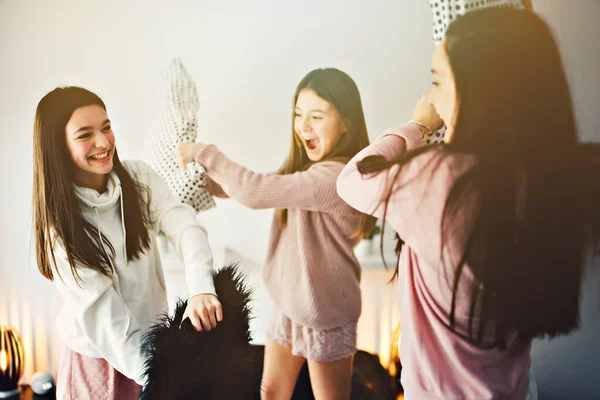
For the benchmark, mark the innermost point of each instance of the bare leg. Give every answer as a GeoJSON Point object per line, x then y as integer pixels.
{"type": "Point", "coordinates": [280, 372]}
{"type": "Point", "coordinates": [331, 380]}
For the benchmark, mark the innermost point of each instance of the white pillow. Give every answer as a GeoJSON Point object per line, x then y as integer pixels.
{"type": "Point", "coordinates": [437, 136]}
{"type": "Point", "coordinates": [175, 124]}
{"type": "Point", "coordinates": [446, 11]}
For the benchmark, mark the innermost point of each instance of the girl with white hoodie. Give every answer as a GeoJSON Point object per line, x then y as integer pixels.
{"type": "Point", "coordinates": [96, 222]}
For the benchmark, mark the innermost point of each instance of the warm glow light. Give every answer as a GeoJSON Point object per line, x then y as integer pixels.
{"type": "Point", "coordinates": [3, 360]}
{"type": "Point", "coordinates": [11, 358]}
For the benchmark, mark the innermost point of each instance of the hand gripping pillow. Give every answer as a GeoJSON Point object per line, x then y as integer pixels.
{"type": "Point", "coordinates": [176, 123]}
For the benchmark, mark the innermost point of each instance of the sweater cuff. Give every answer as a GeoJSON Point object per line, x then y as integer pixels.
{"type": "Point", "coordinates": [202, 283]}
{"type": "Point", "coordinates": [207, 156]}
{"type": "Point", "coordinates": [411, 134]}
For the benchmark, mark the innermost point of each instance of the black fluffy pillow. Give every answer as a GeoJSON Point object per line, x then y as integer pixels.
{"type": "Point", "coordinates": [219, 364]}
{"type": "Point", "coordinates": [222, 364]}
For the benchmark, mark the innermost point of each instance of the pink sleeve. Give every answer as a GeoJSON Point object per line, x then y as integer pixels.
{"type": "Point", "coordinates": [417, 194]}
{"type": "Point", "coordinates": [312, 190]}
{"type": "Point", "coordinates": [364, 193]}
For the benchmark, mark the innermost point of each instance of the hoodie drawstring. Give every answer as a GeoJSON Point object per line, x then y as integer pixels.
{"type": "Point", "coordinates": [114, 277]}
{"type": "Point", "coordinates": [125, 260]}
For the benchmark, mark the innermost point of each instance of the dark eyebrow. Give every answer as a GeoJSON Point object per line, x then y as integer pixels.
{"type": "Point", "coordinates": [87, 128]}
{"type": "Point", "coordinates": [433, 71]}
{"type": "Point", "coordinates": [314, 110]}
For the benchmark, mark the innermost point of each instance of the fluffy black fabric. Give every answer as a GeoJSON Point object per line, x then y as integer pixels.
{"type": "Point", "coordinates": [222, 364]}
{"type": "Point", "coordinates": [219, 364]}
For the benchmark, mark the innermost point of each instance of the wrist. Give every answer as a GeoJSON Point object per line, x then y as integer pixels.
{"type": "Point", "coordinates": [202, 295]}
{"type": "Point", "coordinates": [194, 150]}
{"type": "Point", "coordinates": [205, 154]}
{"type": "Point", "coordinates": [425, 130]}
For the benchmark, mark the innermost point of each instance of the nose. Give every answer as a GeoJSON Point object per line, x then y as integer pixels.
{"type": "Point", "coordinates": [101, 141]}
{"type": "Point", "coordinates": [306, 126]}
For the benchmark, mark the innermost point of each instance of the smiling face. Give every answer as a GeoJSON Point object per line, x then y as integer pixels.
{"type": "Point", "coordinates": [317, 124]}
{"type": "Point", "coordinates": [91, 144]}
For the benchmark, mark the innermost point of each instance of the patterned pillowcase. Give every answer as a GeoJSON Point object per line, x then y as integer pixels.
{"type": "Point", "coordinates": [435, 137]}
{"type": "Point", "coordinates": [446, 11]}
{"type": "Point", "coordinates": [175, 124]}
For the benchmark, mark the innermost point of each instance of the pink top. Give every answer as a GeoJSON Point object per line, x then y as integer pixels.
{"type": "Point", "coordinates": [437, 363]}
{"type": "Point", "coordinates": [311, 271]}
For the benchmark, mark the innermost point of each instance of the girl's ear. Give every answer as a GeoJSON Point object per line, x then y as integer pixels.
{"type": "Point", "coordinates": [345, 125]}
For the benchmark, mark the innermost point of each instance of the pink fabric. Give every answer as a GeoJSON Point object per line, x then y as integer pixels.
{"type": "Point", "coordinates": [315, 345]}
{"type": "Point", "coordinates": [86, 378]}
{"type": "Point", "coordinates": [311, 271]}
{"type": "Point", "coordinates": [438, 363]}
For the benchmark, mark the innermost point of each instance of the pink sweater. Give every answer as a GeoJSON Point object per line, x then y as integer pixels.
{"type": "Point", "coordinates": [311, 271]}
{"type": "Point", "coordinates": [437, 363]}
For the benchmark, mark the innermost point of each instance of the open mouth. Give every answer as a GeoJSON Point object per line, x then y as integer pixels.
{"type": "Point", "coordinates": [101, 157]}
{"type": "Point", "coordinates": [312, 144]}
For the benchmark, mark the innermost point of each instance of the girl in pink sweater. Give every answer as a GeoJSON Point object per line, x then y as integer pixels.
{"type": "Point", "coordinates": [311, 271]}
{"type": "Point", "coordinates": [492, 222]}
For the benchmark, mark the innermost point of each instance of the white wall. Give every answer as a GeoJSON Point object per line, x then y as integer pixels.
{"type": "Point", "coordinates": [246, 57]}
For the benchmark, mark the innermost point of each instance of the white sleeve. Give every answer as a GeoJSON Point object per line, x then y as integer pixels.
{"type": "Point", "coordinates": [103, 317]}
{"type": "Point", "coordinates": [198, 261]}
{"type": "Point", "coordinates": [178, 221]}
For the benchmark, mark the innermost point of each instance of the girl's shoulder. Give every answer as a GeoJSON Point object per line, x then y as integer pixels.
{"type": "Point", "coordinates": [150, 182]}
{"type": "Point", "coordinates": [57, 245]}
{"type": "Point", "coordinates": [325, 172]}
{"type": "Point", "coordinates": [439, 159]}
{"type": "Point", "coordinates": [328, 168]}
{"type": "Point", "coordinates": [138, 169]}
{"type": "Point", "coordinates": [145, 175]}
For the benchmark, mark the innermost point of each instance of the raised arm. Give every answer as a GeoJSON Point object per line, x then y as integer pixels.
{"type": "Point", "coordinates": [365, 193]}
{"type": "Point", "coordinates": [416, 193]}
{"type": "Point", "coordinates": [313, 189]}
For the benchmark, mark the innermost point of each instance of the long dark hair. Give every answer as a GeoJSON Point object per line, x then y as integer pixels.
{"type": "Point", "coordinates": [527, 239]}
{"type": "Point", "coordinates": [338, 89]}
{"type": "Point", "coordinates": [57, 213]}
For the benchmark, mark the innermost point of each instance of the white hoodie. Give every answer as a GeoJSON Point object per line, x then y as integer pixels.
{"type": "Point", "coordinates": [106, 318]}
